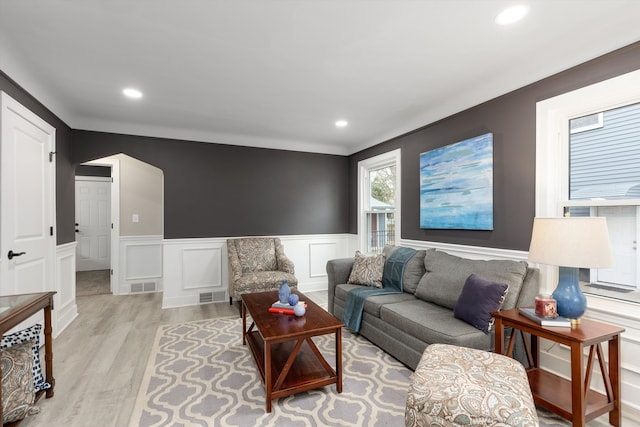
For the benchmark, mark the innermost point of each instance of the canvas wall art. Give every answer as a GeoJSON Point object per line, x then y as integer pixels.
{"type": "Point", "coordinates": [456, 185]}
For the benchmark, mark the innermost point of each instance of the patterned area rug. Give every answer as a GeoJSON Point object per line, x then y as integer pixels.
{"type": "Point", "coordinates": [200, 374]}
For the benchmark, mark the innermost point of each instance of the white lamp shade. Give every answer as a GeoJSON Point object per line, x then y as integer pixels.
{"type": "Point", "coordinates": [571, 242]}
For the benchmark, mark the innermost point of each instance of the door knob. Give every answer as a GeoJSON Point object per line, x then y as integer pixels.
{"type": "Point", "coordinates": [11, 254]}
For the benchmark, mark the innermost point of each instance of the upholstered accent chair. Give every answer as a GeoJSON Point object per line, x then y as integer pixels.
{"type": "Point", "coordinates": [258, 264]}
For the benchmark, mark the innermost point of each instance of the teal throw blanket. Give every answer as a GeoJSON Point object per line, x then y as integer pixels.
{"type": "Point", "coordinates": [391, 284]}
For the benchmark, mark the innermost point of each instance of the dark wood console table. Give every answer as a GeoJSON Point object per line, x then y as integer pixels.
{"type": "Point", "coordinates": [17, 308]}
{"type": "Point", "coordinates": [571, 399]}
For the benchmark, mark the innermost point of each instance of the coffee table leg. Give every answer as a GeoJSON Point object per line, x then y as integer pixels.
{"type": "Point", "coordinates": [267, 374]}
{"type": "Point", "coordinates": [339, 360]}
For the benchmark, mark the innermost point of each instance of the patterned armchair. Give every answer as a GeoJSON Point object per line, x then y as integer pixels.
{"type": "Point", "coordinates": [258, 264]}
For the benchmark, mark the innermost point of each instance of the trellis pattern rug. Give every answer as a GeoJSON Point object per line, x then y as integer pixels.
{"type": "Point", "coordinates": [200, 374]}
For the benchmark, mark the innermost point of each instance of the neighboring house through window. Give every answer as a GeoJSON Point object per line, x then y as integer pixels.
{"type": "Point", "coordinates": [588, 164]}
{"type": "Point", "coordinates": [379, 202]}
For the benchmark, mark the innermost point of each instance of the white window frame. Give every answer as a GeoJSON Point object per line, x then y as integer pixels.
{"type": "Point", "coordinates": [552, 151]}
{"type": "Point", "coordinates": [364, 166]}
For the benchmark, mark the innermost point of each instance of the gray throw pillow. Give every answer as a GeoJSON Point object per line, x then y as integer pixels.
{"type": "Point", "coordinates": [413, 270]}
{"type": "Point", "coordinates": [367, 270]}
{"type": "Point", "coordinates": [446, 275]}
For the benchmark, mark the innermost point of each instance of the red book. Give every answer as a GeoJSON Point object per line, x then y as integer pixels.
{"type": "Point", "coordinates": [281, 310]}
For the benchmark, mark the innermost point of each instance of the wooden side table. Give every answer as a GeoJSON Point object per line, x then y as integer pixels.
{"type": "Point", "coordinates": [16, 308]}
{"type": "Point", "coordinates": [572, 399]}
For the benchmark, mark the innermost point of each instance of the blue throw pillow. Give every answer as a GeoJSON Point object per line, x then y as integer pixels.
{"type": "Point", "coordinates": [478, 299]}
{"type": "Point", "coordinates": [28, 334]}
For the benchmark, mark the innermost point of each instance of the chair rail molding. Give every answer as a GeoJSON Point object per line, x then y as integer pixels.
{"type": "Point", "coordinates": [194, 267]}
{"type": "Point", "coordinates": [65, 305]}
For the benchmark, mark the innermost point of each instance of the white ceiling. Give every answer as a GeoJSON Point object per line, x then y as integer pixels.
{"type": "Point", "coordinates": [278, 73]}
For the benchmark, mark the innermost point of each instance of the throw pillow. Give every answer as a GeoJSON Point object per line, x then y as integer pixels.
{"type": "Point", "coordinates": [18, 393]}
{"type": "Point", "coordinates": [413, 271]}
{"type": "Point", "coordinates": [446, 275]}
{"type": "Point", "coordinates": [479, 298]}
{"type": "Point", "coordinates": [29, 334]}
{"type": "Point", "coordinates": [367, 270]}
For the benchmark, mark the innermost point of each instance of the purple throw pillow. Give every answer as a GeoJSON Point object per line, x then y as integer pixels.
{"type": "Point", "coordinates": [478, 299]}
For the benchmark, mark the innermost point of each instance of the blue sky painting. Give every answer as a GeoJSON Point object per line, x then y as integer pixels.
{"type": "Point", "coordinates": [456, 185]}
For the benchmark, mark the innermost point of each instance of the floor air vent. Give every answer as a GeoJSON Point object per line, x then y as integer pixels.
{"type": "Point", "coordinates": [206, 297]}
{"type": "Point", "coordinates": [143, 287]}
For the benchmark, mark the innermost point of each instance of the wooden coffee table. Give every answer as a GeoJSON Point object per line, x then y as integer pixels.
{"type": "Point", "coordinates": [287, 358]}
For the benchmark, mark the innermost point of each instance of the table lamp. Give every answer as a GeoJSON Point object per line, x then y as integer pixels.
{"type": "Point", "coordinates": [570, 243]}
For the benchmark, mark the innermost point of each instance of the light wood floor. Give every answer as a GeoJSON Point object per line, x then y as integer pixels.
{"type": "Point", "coordinates": [99, 360]}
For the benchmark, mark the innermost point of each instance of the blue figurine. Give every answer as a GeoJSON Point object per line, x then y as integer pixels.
{"type": "Point", "coordinates": [293, 299]}
{"type": "Point", "coordinates": [284, 292]}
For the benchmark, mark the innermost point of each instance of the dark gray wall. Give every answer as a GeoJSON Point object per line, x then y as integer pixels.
{"type": "Point", "coordinates": [511, 118]}
{"type": "Point", "coordinates": [92, 170]}
{"type": "Point", "coordinates": [215, 190]}
{"type": "Point", "coordinates": [65, 182]}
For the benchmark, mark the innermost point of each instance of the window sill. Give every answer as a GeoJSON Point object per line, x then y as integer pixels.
{"type": "Point", "coordinates": [604, 307]}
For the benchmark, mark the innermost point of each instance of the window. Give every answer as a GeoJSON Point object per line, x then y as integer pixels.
{"type": "Point", "coordinates": [588, 164]}
{"type": "Point", "coordinates": [604, 165]}
{"type": "Point", "coordinates": [379, 202]}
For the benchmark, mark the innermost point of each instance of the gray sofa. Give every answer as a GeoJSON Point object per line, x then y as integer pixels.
{"type": "Point", "coordinates": [405, 324]}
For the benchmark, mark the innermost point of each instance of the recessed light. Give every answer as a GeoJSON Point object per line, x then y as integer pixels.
{"type": "Point", "coordinates": [512, 14]}
{"type": "Point", "coordinates": [132, 93]}
{"type": "Point", "coordinates": [341, 123]}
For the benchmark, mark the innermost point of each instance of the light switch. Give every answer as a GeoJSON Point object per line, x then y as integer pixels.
{"type": "Point", "coordinates": [135, 218]}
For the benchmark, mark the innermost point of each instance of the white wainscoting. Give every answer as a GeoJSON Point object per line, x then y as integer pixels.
{"type": "Point", "coordinates": [196, 267]}
{"type": "Point", "coordinates": [555, 357]}
{"type": "Point", "coordinates": [140, 264]}
{"type": "Point", "coordinates": [65, 308]}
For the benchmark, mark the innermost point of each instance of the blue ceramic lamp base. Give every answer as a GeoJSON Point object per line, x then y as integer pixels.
{"type": "Point", "coordinates": [571, 301]}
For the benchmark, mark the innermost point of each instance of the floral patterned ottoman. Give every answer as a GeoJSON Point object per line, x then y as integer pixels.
{"type": "Point", "coordinates": [458, 386]}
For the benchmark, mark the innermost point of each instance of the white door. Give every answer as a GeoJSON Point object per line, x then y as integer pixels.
{"type": "Point", "coordinates": [93, 223]}
{"type": "Point", "coordinates": [621, 222]}
{"type": "Point", "coordinates": [27, 214]}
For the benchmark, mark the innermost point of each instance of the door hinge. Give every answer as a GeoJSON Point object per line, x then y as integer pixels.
{"type": "Point", "coordinates": [112, 180]}
{"type": "Point", "coordinates": [51, 231]}
{"type": "Point", "coordinates": [51, 154]}
{"type": "Point", "coordinates": [111, 272]}
{"type": "Point", "coordinates": [112, 226]}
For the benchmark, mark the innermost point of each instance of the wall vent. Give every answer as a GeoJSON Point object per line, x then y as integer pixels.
{"type": "Point", "coordinates": [206, 297]}
{"type": "Point", "coordinates": [143, 287]}
{"type": "Point", "coordinates": [217, 296]}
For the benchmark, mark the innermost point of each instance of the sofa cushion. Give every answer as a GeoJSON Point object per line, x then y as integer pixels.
{"type": "Point", "coordinates": [263, 281]}
{"type": "Point", "coordinates": [374, 303]}
{"type": "Point", "coordinates": [432, 323]}
{"type": "Point", "coordinates": [367, 270]}
{"type": "Point", "coordinates": [413, 270]}
{"type": "Point", "coordinates": [446, 275]}
{"type": "Point", "coordinates": [479, 298]}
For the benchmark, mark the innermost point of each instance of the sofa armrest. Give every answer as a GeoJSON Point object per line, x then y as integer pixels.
{"type": "Point", "coordinates": [338, 271]}
{"type": "Point", "coordinates": [530, 288]}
